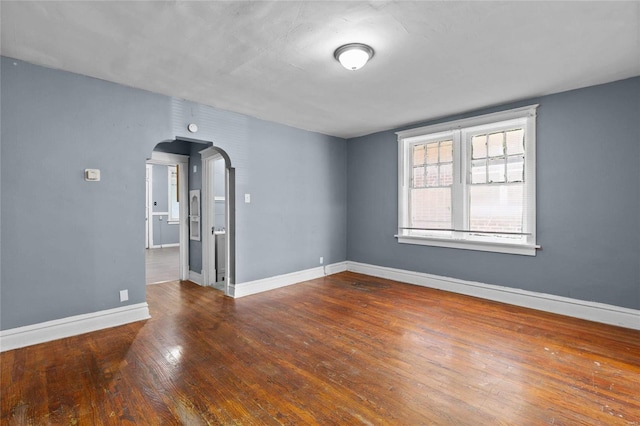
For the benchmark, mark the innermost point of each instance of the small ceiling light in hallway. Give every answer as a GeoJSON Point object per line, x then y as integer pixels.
{"type": "Point", "coordinates": [353, 56]}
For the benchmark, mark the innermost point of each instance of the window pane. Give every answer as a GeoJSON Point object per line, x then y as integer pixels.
{"type": "Point", "coordinates": [496, 170]}
{"type": "Point", "coordinates": [418, 155]}
{"type": "Point", "coordinates": [446, 174]}
{"type": "Point", "coordinates": [515, 169]}
{"type": "Point", "coordinates": [479, 146]}
{"type": "Point", "coordinates": [432, 175]}
{"type": "Point", "coordinates": [515, 141]}
{"type": "Point", "coordinates": [446, 151]}
{"type": "Point", "coordinates": [471, 177]}
{"type": "Point", "coordinates": [432, 153]}
{"type": "Point", "coordinates": [496, 144]}
{"type": "Point", "coordinates": [479, 171]}
{"type": "Point", "coordinates": [496, 208]}
{"type": "Point", "coordinates": [431, 208]}
{"type": "Point", "coordinates": [418, 177]}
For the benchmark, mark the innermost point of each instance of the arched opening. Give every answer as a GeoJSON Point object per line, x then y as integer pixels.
{"type": "Point", "coordinates": [218, 224]}
{"type": "Point", "coordinates": [207, 231]}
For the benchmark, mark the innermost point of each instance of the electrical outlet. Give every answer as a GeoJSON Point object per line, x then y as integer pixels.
{"type": "Point", "coordinates": [92, 175]}
{"type": "Point", "coordinates": [124, 295]}
{"type": "Point", "coordinates": [321, 260]}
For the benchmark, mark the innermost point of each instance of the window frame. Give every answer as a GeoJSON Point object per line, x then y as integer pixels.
{"type": "Point", "coordinates": [460, 131]}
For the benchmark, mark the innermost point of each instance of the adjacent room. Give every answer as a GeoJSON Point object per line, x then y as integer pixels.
{"type": "Point", "coordinates": [326, 212]}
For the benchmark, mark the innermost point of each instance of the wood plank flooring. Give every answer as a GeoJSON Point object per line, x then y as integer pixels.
{"type": "Point", "coordinates": [162, 264]}
{"type": "Point", "coordinates": [345, 349]}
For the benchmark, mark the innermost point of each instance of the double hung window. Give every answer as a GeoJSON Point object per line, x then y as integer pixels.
{"type": "Point", "coordinates": [470, 183]}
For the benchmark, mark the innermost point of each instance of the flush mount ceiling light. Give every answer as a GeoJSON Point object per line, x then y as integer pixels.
{"type": "Point", "coordinates": [353, 56]}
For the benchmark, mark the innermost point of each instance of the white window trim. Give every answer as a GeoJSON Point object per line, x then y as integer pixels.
{"type": "Point", "coordinates": [457, 130]}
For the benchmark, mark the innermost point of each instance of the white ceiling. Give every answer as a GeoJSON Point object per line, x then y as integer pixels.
{"type": "Point", "coordinates": [274, 59]}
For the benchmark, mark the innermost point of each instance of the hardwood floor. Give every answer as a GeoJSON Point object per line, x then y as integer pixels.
{"type": "Point", "coordinates": [344, 349]}
{"type": "Point", "coordinates": [162, 264]}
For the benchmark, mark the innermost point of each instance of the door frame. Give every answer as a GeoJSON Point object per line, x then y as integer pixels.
{"type": "Point", "coordinates": [148, 234]}
{"type": "Point", "coordinates": [209, 156]}
{"type": "Point", "coordinates": [182, 161]}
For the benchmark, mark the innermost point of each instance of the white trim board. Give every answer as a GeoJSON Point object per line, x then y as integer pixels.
{"type": "Point", "coordinates": [592, 311]}
{"type": "Point", "coordinates": [71, 326]}
{"type": "Point", "coordinates": [195, 277]}
{"type": "Point", "coordinates": [271, 283]}
{"type": "Point", "coordinates": [165, 246]}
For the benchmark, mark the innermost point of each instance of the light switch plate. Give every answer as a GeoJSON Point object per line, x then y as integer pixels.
{"type": "Point", "coordinates": [247, 198]}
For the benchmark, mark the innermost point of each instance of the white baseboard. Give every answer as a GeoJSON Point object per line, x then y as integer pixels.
{"type": "Point", "coordinates": [164, 245]}
{"type": "Point", "coordinates": [334, 268]}
{"type": "Point", "coordinates": [195, 277]}
{"type": "Point", "coordinates": [592, 311]}
{"type": "Point", "coordinates": [271, 283]}
{"type": "Point", "coordinates": [71, 326]}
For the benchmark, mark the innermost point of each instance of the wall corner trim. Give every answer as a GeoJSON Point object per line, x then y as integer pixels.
{"type": "Point", "coordinates": [71, 326]}
{"type": "Point", "coordinates": [592, 311]}
{"type": "Point", "coordinates": [271, 283]}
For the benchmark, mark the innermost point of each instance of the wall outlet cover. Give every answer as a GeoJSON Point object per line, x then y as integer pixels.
{"type": "Point", "coordinates": [92, 175]}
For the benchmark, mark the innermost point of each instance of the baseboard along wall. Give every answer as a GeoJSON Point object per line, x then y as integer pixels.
{"type": "Point", "coordinates": [592, 311]}
{"type": "Point", "coordinates": [195, 277]}
{"type": "Point", "coordinates": [79, 324]}
{"type": "Point", "coordinates": [271, 283]}
{"type": "Point", "coordinates": [71, 326]}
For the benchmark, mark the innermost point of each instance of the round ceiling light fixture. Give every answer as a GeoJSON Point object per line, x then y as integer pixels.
{"type": "Point", "coordinates": [353, 56]}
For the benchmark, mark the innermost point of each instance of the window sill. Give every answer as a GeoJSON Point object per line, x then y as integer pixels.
{"type": "Point", "coordinates": [520, 249]}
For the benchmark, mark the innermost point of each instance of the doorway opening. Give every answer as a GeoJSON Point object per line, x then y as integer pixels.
{"type": "Point", "coordinates": [167, 251]}
{"type": "Point", "coordinates": [218, 223]}
{"type": "Point", "coordinates": [200, 205]}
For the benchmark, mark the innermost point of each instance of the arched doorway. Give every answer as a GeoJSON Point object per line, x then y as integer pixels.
{"type": "Point", "coordinates": [198, 264]}
{"type": "Point", "coordinates": [198, 254]}
{"type": "Point", "coordinates": [218, 236]}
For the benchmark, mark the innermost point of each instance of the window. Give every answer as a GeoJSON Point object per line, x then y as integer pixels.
{"type": "Point", "coordinates": [470, 183]}
{"type": "Point", "coordinates": [174, 205]}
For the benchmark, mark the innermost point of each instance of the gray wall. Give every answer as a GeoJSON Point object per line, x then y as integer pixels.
{"type": "Point", "coordinates": [174, 147]}
{"type": "Point", "coordinates": [588, 203]}
{"type": "Point", "coordinates": [68, 246]}
{"type": "Point", "coordinates": [195, 182]}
